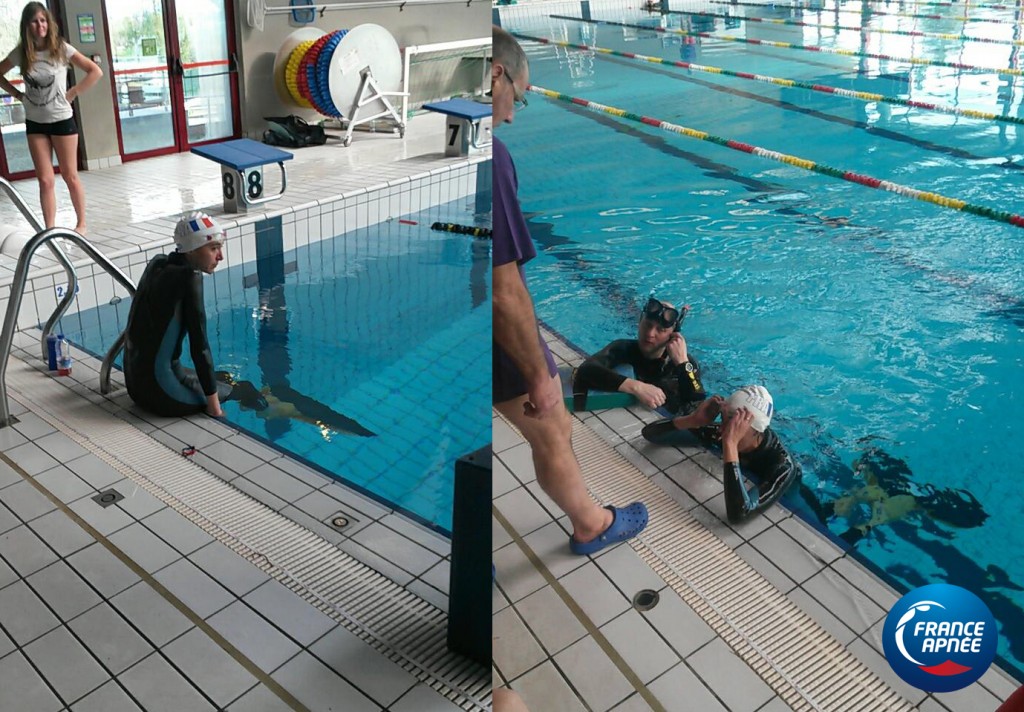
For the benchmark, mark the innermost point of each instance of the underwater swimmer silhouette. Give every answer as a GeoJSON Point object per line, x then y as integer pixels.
{"type": "Point", "coordinates": [283, 401]}
{"type": "Point", "coordinates": [888, 494]}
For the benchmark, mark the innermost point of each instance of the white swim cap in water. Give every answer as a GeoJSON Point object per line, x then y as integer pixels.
{"type": "Point", "coordinates": [758, 401]}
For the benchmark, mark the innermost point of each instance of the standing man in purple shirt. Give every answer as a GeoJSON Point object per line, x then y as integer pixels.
{"type": "Point", "coordinates": [527, 389]}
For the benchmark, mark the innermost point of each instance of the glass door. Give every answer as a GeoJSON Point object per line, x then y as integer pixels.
{"type": "Point", "coordinates": [206, 68]}
{"type": "Point", "coordinates": [173, 75]}
{"type": "Point", "coordinates": [15, 161]}
{"type": "Point", "coordinates": [141, 77]}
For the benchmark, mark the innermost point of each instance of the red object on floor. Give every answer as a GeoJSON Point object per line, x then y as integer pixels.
{"type": "Point", "coordinates": [408, 222]}
{"type": "Point", "coordinates": [1015, 703]}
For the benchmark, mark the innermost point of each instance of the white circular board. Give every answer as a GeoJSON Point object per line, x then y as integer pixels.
{"type": "Point", "coordinates": [364, 45]}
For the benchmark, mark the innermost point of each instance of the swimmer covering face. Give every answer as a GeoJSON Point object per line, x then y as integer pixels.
{"type": "Point", "coordinates": [749, 447]}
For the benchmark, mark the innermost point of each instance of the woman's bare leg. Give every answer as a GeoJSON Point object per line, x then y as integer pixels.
{"type": "Point", "coordinates": [41, 150]}
{"type": "Point", "coordinates": [67, 158]}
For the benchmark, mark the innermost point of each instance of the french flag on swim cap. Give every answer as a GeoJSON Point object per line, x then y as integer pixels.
{"type": "Point", "coordinates": [195, 230]}
{"type": "Point", "coordinates": [199, 224]}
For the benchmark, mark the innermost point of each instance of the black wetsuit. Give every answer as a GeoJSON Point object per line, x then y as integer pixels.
{"type": "Point", "coordinates": [770, 464]}
{"type": "Point", "coordinates": [681, 383]}
{"type": "Point", "coordinates": [167, 306]}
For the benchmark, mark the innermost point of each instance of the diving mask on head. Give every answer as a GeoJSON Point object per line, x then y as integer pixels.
{"type": "Point", "coordinates": [664, 316]}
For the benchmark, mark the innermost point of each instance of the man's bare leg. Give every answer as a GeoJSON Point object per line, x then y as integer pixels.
{"type": "Point", "coordinates": [558, 471]}
{"type": "Point", "coordinates": [506, 700]}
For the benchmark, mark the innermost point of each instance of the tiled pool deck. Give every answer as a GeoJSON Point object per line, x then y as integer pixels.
{"type": "Point", "coordinates": [133, 606]}
{"type": "Point", "coordinates": [569, 638]}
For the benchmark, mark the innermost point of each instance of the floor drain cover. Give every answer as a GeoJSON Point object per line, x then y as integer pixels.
{"type": "Point", "coordinates": [645, 600]}
{"type": "Point", "coordinates": [108, 497]}
{"type": "Point", "coordinates": [339, 521]}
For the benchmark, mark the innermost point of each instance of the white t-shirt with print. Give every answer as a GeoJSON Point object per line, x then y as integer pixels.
{"type": "Point", "coordinates": [46, 87]}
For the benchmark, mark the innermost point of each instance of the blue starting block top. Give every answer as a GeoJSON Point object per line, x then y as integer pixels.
{"type": "Point", "coordinates": [462, 108]}
{"type": "Point", "coordinates": [242, 154]}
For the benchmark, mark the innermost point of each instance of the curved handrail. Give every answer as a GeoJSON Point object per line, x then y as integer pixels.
{"type": "Point", "coordinates": [18, 290]}
{"type": "Point", "coordinates": [59, 253]}
{"type": "Point", "coordinates": [108, 360]}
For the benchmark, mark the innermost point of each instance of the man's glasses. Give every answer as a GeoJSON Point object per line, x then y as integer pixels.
{"type": "Point", "coordinates": [518, 102]}
{"type": "Point", "coordinates": [664, 316]}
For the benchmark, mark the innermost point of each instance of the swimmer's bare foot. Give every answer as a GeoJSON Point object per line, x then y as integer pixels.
{"type": "Point", "coordinates": [81, 230]}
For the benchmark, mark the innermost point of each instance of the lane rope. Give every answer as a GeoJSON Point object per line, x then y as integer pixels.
{"type": "Point", "coordinates": [813, 166]}
{"type": "Point", "coordinates": [852, 28]}
{"type": "Point", "coordinates": [871, 11]}
{"type": "Point", "coordinates": [474, 230]}
{"type": "Point", "coordinates": [823, 88]}
{"type": "Point", "coordinates": [808, 48]}
{"type": "Point", "coordinates": [935, 3]}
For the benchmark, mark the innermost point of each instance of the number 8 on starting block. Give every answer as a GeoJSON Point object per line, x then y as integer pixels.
{"type": "Point", "coordinates": [241, 171]}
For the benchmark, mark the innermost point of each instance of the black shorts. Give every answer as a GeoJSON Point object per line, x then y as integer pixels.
{"type": "Point", "coordinates": [67, 127]}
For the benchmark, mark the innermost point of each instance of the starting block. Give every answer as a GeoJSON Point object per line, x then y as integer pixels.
{"type": "Point", "coordinates": [469, 125]}
{"type": "Point", "coordinates": [241, 169]}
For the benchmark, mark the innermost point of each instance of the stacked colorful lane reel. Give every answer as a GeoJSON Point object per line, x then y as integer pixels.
{"type": "Point", "coordinates": [296, 81]}
{"type": "Point", "coordinates": [331, 72]}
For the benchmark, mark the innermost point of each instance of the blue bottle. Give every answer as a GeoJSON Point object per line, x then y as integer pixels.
{"type": "Point", "coordinates": [51, 351]}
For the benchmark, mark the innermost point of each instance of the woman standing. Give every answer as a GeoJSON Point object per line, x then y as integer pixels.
{"type": "Point", "coordinates": [43, 56]}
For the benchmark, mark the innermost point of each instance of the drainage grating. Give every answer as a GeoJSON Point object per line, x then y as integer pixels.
{"type": "Point", "coordinates": [646, 600]}
{"type": "Point", "coordinates": [107, 498]}
{"type": "Point", "coordinates": [803, 663]}
{"type": "Point", "coordinates": [398, 624]}
{"type": "Point", "coordinates": [338, 521]}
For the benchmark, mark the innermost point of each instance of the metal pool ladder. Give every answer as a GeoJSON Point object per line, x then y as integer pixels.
{"type": "Point", "coordinates": [42, 237]}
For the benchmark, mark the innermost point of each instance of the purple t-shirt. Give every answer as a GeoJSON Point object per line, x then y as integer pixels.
{"type": "Point", "coordinates": [511, 242]}
{"type": "Point", "coordinates": [511, 239]}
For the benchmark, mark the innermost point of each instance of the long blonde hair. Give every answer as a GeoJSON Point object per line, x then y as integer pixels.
{"type": "Point", "coordinates": [54, 42]}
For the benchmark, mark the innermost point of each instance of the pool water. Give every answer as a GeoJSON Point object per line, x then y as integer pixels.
{"type": "Point", "coordinates": [890, 331]}
{"type": "Point", "coordinates": [382, 325]}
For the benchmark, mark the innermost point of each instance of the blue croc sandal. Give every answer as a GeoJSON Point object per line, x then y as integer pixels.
{"type": "Point", "coordinates": [626, 524]}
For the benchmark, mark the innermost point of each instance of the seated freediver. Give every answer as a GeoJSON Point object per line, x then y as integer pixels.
{"type": "Point", "coordinates": [168, 306]}
{"type": "Point", "coordinates": [665, 374]}
{"type": "Point", "coordinates": [748, 445]}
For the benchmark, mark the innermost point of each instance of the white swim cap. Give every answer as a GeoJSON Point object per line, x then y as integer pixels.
{"type": "Point", "coordinates": [195, 230]}
{"type": "Point", "coordinates": [758, 401]}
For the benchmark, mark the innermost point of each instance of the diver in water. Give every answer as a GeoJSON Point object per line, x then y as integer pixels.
{"type": "Point", "coordinates": [283, 401]}
{"type": "Point", "coordinates": [168, 306]}
{"type": "Point", "coordinates": [887, 494]}
{"type": "Point", "coordinates": [665, 374]}
{"type": "Point", "coordinates": [748, 446]}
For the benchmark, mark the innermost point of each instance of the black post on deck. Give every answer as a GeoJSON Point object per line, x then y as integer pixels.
{"type": "Point", "coordinates": [469, 587]}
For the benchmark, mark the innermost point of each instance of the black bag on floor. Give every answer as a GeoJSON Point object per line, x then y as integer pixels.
{"type": "Point", "coordinates": [293, 132]}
